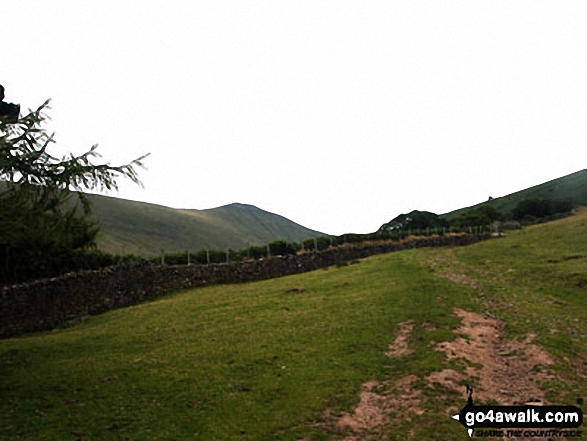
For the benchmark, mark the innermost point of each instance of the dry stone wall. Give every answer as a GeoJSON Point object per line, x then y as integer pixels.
{"type": "Point", "coordinates": [50, 303]}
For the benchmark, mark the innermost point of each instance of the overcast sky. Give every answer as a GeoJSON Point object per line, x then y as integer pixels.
{"type": "Point", "coordinates": [339, 115]}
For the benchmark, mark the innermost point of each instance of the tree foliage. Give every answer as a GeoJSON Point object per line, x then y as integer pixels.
{"type": "Point", "coordinates": [538, 208]}
{"type": "Point", "coordinates": [481, 216]}
{"type": "Point", "coordinates": [43, 229]}
{"type": "Point", "coordinates": [415, 220]}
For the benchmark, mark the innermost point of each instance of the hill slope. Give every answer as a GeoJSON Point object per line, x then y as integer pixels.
{"type": "Point", "coordinates": [572, 187]}
{"type": "Point", "coordinates": [376, 350]}
{"type": "Point", "coordinates": [146, 229]}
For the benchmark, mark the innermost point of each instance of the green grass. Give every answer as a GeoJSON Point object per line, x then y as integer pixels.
{"type": "Point", "coordinates": [129, 227]}
{"type": "Point", "coordinates": [263, 361]}
{"type": "Point", "coordinates": [572, 187]}
{"type": "Point", "coordinates": [536, 280]}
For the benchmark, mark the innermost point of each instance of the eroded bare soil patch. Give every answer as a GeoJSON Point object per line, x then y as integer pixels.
{"type": "Point", "coordinates": [381, 403]}
{"type": "Point", "coordinates": [400, 345]}
{"type": "Point", "coordinates": [504, 371]}
{"type": "Point", "coordinates": [471, 282]}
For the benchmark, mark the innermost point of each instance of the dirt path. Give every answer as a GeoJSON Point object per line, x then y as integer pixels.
{"type": "Point", "coordinates": [511, 370]}
{"type": "Point", "coordinates": [500, 370]}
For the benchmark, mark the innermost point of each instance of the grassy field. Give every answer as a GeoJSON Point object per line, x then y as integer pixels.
{"type": "Point", "coordinates": [287, 359]}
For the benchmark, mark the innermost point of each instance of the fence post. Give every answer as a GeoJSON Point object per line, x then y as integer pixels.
{"type": "Point", "coordinates": [189, 261]}
{"type": "Point", "coordinates": [268, 251]}
{"type": "Point", "coordinates": [315, 245]}
{"type": "Point", "coordinates": [207, 256]}
{"type": "Point", "coordinates": [162, 257]}
{"type": "Point", "coordinates": [228, 255]}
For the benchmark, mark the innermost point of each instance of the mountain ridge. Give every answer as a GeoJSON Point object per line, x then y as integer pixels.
{"type": "Point", "coordinates": [133, 227]}
{"type": "Point", "coordinates": [571, 187]}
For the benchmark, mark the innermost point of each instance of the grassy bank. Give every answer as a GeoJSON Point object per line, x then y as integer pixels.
{"type": "Point", "coordinates": [266, 360]}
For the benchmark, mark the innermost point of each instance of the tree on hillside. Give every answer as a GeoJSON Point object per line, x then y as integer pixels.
{"type": "Point", "coordinates": [529, 209]}
{"type": "Point", "coordinates": [481, 216]}
{"type": "Point", "coordinates": [43, 229]}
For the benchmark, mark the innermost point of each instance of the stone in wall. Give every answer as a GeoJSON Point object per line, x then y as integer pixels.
{"type": "Point", "coordinates": [48, 303]}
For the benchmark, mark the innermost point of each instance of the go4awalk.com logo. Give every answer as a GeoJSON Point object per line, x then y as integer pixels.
{"type": "Point", "coordinates": [520, 421]}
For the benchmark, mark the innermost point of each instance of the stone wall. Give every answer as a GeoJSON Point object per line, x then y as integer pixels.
{"type": "Point", "coordinates": [48, 303]}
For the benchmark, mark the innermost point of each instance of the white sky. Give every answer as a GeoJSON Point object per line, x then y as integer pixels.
{"type": "Point", "coordinates": [339, 115]}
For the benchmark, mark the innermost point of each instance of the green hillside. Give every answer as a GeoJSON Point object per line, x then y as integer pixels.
{"type": "Point", "coordinates": [146, 229]}
{"type": "Point", "coordinates": [378, 350]}
{"type": "Point", "coordinates": [572, 187]}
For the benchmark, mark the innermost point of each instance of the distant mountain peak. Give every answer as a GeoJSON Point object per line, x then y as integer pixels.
{"type": "Point", "coordinates": [141, 228]}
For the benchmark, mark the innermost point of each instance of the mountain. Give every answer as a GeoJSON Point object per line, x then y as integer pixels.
{"type": "Point", "coordinates": [572, 188]}
{"type": "Point", "coordinates": [147, 229]}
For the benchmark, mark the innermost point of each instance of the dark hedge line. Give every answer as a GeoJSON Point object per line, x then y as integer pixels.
{"type": "Point", "coordinates": [322, 243]}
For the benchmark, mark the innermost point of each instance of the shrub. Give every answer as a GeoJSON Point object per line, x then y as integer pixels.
{"type": "Point", "coordinates": [537, 208]}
